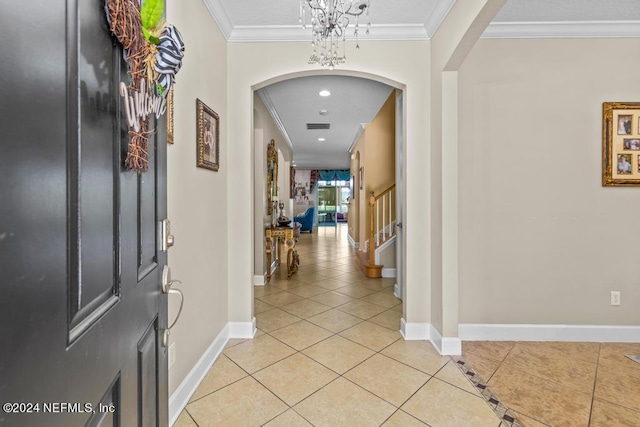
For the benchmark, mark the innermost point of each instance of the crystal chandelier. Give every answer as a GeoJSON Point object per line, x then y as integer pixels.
{"type": "Point", "coordinates": [329, 22]}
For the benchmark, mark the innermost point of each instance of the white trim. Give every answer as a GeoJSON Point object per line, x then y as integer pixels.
{"type": "Point", "coordinates": [266, 100]}
{"type": "Point", "coordinates": [295, 33]}
{"type": "Point", "coordinates": [413, 331]}
{"type": "Point", "coordinates": [391, 240]}
{"type": "Point", "coordinates": [355, 138]}
{"type": "Point", "coordinates": [188, 386]}
{"type": "Point", "coordinates": [388, 272]}
{"type": "Point", "coordinates": [562, 29]}
{"type": "Point", "coordinates": [575, 333]}
{"type": "Point", "coordinates": [447, 346]}
{"type": "Point", "coordinates": [352, 242]}
{"type": "Point", "coordinates": [397, 291]}
{"type": "Point", "coordinates": [259, 280]}
{"type": "Point", "coordinates": [220, 15]}
{"type": "Point", "coordinates": [242, 329]}
{"type": "Point", "coordinates": [437, 15]}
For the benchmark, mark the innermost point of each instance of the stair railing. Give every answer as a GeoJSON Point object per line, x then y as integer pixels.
{"type": "Point", "coordinates": [382, 219]}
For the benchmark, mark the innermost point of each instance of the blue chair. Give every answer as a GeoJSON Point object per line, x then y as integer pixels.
{"type": "Point", "coordinates": [306, 219]}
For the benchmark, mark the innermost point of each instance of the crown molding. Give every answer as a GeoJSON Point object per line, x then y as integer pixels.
{"type": "Point", "coordinates": [282, 33]}
{"type": "Point", "coordinates": [266, 100]}
{"type": "Point", "coordinates": [220, 15]}
{"type": "Point", "coordinates": [359, 133]}
{"type": "Point", "coordinates": [561, 29]}
{"type": "Point", "coordinates": [437, 15]}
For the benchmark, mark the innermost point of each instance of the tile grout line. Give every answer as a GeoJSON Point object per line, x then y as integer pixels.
{"type": "Point", "coordinates": [595, 380]}
{"type": "Point", "coordinates": [499, 408]}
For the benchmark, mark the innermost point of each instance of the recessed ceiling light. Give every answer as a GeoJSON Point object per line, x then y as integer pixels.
{"type": "Point", "coordinates": [324, 112]}
{"type": "Point", "coordinates": [324, 93]}
{"type": "Point", "coordinates": [321, 139]}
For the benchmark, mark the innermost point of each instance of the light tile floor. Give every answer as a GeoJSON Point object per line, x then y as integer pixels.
{"type": "Point", "coordinates": [328, 353]}
{"type": "Point", "coordinates": [561, 383]}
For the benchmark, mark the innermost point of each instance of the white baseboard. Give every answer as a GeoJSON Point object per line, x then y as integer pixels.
{"type": "Point", "coordinates": [259, 280]}
{"type": "Point", "coordinates": [352, 242]}
{"type": "Point", "coordinates": [397, 292]}
{"type": "Point", "coordinates": [575, 333]}
{"type": "Point", "coordinates": [413, 331]}
{"type": "Point", "coordinates": [188, 386]}
{"type": "Point", "coordinates": [447, 346]}
{"type": "Point", "coordinates": [242, 329]}
{"type": "Point", "coordinates": [389, 272]}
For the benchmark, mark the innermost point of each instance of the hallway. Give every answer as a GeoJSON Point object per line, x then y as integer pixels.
{"type": "Point", "coordinates": [328, 353]}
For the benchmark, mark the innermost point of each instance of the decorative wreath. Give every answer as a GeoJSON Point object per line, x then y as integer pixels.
{"type": "Point", "coordinates": [154, 52]}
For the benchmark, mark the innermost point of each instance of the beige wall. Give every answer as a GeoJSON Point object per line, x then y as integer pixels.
{"type": "Point", "coordinates": [196, 196]}
{"type": "Point", "coordinates": [541, 241]}
{"type": "Point", "coordinates": [264, 131]}
{"type": "Point", "coordinates": [251, 66]}
{"type": "Point", "coordinates": [376, 146]}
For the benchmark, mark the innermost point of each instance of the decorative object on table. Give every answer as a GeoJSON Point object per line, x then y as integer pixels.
{"type": "Point", "coordinates": [621, 144]}
{"type": "Point", "coordinates": [207, 137]}
{"type": "Point", "coordinates": [272, 176]}
{"type": "Point", "coordinates": [154, 52]}
{"type": "Point", "coordinates": [282, 220]}
{"type": "Point", "coordinates": [329, 22]}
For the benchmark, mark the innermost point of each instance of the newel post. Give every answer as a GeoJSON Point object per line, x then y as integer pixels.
{"type": "Point", "coordinates": [372, 241]}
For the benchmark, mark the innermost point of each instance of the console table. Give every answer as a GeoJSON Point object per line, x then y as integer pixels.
{"type": "Point", "coordinates": [289, 234]}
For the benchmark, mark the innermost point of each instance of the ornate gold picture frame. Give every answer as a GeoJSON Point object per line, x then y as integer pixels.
{"type": "Point", "coordinates": [170, 116]}
{"type": "Point", "coordinates": [621, 144]}
{"type": "Point", "coordinates": [207, 137]}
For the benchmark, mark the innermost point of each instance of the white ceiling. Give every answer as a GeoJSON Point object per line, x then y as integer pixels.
{"type": "Point", "coordinates": [355, 101]}
{"type": "Point", "coordinates": [297, 102]}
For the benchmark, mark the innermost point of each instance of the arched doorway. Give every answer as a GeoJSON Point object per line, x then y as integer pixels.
{"type": "Point", "coordinates": [258, 155]}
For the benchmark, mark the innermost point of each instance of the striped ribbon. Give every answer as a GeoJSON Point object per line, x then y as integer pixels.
{"type": "Point", "coordinates": [169, 57]}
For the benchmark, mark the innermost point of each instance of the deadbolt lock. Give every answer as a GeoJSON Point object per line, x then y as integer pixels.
{"type": "Point", "coordinates": [167, 237]}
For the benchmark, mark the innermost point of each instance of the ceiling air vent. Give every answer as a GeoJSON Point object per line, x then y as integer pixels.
{"type": "Point", "coordinates": [318, 126]}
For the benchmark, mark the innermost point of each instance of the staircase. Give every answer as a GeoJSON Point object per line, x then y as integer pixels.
{"type": "Point", "coordinates": [382, 226]}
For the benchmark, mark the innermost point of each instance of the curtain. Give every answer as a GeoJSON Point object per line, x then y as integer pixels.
{"type": "Point", "coordinates": [334, 175]}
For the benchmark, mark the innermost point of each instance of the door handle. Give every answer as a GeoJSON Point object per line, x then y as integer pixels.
{"type": "Point", "coordinates": [167, 289]}
{"type": "Point", "coordinates": [399, 225]}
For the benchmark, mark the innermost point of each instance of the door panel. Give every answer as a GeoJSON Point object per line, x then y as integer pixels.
{"type": "Point", "coordinates": [82, 310]}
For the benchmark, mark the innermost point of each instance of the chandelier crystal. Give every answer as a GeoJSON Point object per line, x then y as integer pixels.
{"type": "Point", "coordinates": [329, 22]}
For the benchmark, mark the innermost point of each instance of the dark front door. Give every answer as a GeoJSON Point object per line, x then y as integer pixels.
{"type": "Point", "coordinates": [81, 308]}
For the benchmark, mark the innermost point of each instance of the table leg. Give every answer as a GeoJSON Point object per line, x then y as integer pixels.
{"type": "Point", "coordinates": [268, 260]}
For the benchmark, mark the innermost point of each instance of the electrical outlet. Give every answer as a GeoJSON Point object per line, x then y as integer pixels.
{"type": "Point", "coordinates": [615, 298]}
{"type": "Point", "coordinates": [172, 354]}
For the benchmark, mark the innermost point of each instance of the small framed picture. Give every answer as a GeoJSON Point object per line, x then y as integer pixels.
{"type": "Point", "coordinates": [624, 124]}
{"type": "Point", "coordinates": [624, 164]}
{"type": "Point", "coordinates": [631, 144]}
{"type": "Point", "coordinates": [208, 137]}
{"type": "Point", "coordinates": [638, 163]}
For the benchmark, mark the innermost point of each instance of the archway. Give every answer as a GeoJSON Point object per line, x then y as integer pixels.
{"type": "Point", "coordinates": [258, 155]}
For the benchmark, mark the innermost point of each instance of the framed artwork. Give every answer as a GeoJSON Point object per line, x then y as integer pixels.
{"type": "Point", "coordinates": [361, 171]}
{"type": "Point", "coordinates": [620, 144]}
{"type": "Point", "coordinates": [207, 137]}
{"type": "Point", "coordinates": [170, 116]}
